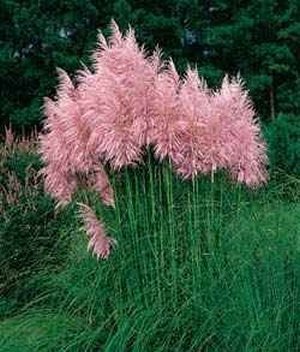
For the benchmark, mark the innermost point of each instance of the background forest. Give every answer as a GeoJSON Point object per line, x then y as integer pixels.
{"type": "Point", "coordinates": [158, 292]}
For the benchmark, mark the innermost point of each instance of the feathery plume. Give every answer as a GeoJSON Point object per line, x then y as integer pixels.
{"type": "Point", "coordinates": [194, 99]}
{"type": "Point", "coordinates": [208, 147]}
{"type": "Point", "coordinates": [248, 158]}
{"type": "Point", "coordinates": [64, 146]}
{"type": "Point", "coordinates": [59, 183]}
{"type": "Point", "coordinates": [165, 112]}
{"type": "Point", "coordinates": [116, 99]}
{"type": "Point", "coordinates": [99, 242]}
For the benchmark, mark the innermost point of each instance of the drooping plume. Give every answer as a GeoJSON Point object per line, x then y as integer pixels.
{"type": "Point", "coordinates": [99, 242]}
{"type": "Point", "coordinates": [56, 145]}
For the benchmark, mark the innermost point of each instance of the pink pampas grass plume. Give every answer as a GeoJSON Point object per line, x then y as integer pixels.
{"type": "Point", "coordinates": [59, 183]}
{"type": "Point", "coordinates": [165, 114]}
{"type": "Point", "coordinates": [63, 146]}
{"type": "Point", "coordinates": [217, 130]}
{"type": "Point", "coordinates": [207, 146]}
{"type": "Point", "coordinates": [194, 98]}
{"type": "Point", "coordinates": [99, 242]}
{"type": "Point", "coordinates": [116, 99]}
{"type": "Point", "coordinates": [56, 156]}
{"type": "Point", "coordinates": [75, 131]}
{"type": "Point", "coordinates": [66, 126]}
{"type": "Point", "coordinates": [247, 163]}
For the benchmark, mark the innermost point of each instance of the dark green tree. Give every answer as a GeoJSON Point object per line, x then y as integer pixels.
{"type": "Point", "coordinates": [257, 38]}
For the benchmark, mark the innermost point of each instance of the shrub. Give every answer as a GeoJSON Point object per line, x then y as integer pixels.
{"type": "Point", "coordinates": [283, 136]}
{"type": "Point", "coordinates": [29, 226]}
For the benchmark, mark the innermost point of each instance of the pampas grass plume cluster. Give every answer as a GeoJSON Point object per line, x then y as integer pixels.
{"type": "Point", "coordinates": [130, 100]}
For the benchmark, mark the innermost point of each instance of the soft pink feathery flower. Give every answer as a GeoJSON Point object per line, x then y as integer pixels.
{"type": "Point", "coordinates": [187, 130]}
{"type": "Point", "coordinates": [59, 183]}
{"type": "Point", "coordinates": [116, 99]}
{"type": "Point", "coordinates": [64, 145]}
{"type": "Point", "coordinates": [53, 144]}
{"type": "Point", "coordinates": [208, 146]}
{"type": "Point", "coordinates": [67, 127]}
{"type": "Point", "coordinates": [167, 126]}
{"type": "Point", "coordinates": [75, 130]}
{"type": "Point", "coordinates": [247, 162]}
{"type": "Point", "coordinates": [99, 242]}
{"type": "Point", "coordinates": [56, 156]}
{"type": "Point", "coordinates": [194, 100]}
{"type": "Point", "coordinates": [217, 131]}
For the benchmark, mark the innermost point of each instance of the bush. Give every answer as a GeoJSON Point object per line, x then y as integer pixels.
{"type": "Point", "coordinates": [30, 229]}
{"type": "Point", "coordinates": [283, 136]}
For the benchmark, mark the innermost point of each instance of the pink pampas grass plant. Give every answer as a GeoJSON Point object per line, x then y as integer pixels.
{"type": "Point", "coordinates": [130, 100]}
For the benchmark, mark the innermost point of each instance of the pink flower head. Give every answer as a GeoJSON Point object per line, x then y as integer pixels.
{"type": "Point", "coordinates": [99, 242]}
{"type": "Point", "coordinates": [194, 100]}
{"type": "Point", "coordinates": [56, 154]}
{"type": "Point", "coordinates": [59, 183]}
{"type": "Point", "coordinates": [247, 162]}
{"type": "Point", "coordinates": [64, 146]}
{"type": "Point", "coordinates": [165, 112]}
{"type": "Point", "coordinates": [74, 129]}
{"type": "Point", "coordinates": [116, 99]}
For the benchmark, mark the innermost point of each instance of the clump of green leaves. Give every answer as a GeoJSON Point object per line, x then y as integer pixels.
{"type": "Point", "coordinates": [30, 229]}
{"type": "Point", "coordinates": [283, 135]}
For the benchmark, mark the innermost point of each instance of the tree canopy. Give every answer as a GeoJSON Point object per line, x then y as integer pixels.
{"type": "Point", "coordinates": [259, 39]}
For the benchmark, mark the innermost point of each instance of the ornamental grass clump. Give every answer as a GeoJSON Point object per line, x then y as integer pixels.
{"type": "Point", "coordinates": [131, 100]}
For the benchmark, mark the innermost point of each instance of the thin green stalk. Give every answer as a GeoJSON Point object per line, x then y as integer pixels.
{"type": "Point", "coordinates": [140, 206]}
{"type": "Point", "coordinates": [171, 230]}
{"type": "Point", "coordinates": [133, 230]}
{"type": "Point", "coordinates": [150, 209]}
{"type": "Point", "coordinates": [151, 186]}
{"type": "Point", "coordinates": [193, 233]}
{"type": "Point", "coordinates": [220, 214]}
{"type": "Point", "coordinates": [161, 263]}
